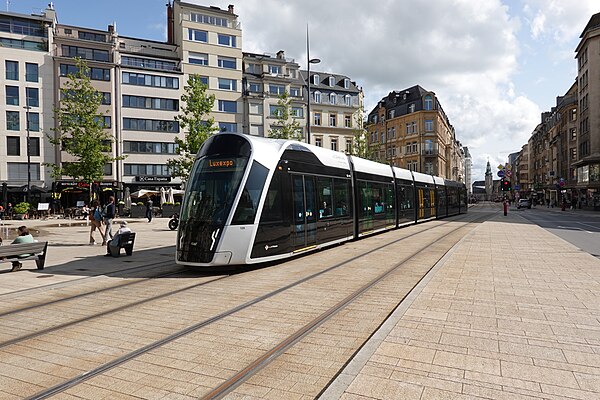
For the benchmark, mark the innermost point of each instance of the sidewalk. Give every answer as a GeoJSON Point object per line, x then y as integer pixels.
{"type": "Point", "coordinates": [512, 312]}
{"type": "Point", "coordinates": [70, 256]}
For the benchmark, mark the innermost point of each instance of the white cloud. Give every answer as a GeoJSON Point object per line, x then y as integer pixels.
{"type": "Point", "coordinates": [558, 20]}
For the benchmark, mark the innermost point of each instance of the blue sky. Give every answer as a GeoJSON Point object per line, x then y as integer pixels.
{"type": "Point", "coordinates": [495, 65]}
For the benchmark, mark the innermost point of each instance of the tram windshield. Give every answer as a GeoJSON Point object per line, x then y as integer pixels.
{"type": "Point", "coordinates": [213, 185]}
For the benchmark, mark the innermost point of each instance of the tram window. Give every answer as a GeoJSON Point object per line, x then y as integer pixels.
{"type": "Point", "coordinates": [273, 207]}
{"type": "Point", "coordinates": [341, 197]}
{"type": "Point", "coordinates": [378, 198]}
{"type": "Point", "coordinates": [324, 192]}
{"type": "Point", "coordinates": [248, 204]}
{"type": "Point", "coordinates": [364, 199]}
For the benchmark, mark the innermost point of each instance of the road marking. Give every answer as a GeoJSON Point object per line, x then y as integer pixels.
{"type": "Point", "coordinates": [573, 227]}
{"type": "Point", "coordinates": [591, 226]}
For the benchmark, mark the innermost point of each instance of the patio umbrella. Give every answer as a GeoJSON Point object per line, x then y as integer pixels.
{"type": "Point", "coordinates": [162, 196]}
{"type": "Point", "coordinates": [170, 197]}
{"type": "Point", "coordinates": [127, 198]}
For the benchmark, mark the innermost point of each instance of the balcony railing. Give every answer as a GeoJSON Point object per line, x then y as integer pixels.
{"type": "Point", "coordinates": [149, 51]}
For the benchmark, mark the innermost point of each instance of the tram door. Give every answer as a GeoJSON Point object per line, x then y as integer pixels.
{"type": "Point", "coordinates": [305, 212]}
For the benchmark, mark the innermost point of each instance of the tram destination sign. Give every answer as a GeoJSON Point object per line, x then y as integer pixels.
{"type": "Point", "coordinates": [221, 164]}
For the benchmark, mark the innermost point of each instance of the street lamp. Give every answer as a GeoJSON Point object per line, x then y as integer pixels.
{"type": "Point", "coordinates": [27, 108]}
{"type": "Point", "coordinates": [308, 62]}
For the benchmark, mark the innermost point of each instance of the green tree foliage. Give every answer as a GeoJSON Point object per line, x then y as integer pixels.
{"type": "Point", "coordinates": [283, 128]}
{"type": "Point", "coordinates": [360, 142]}
{"type": "Point", "coordinates": [80, 130]}
{"type": "Point", "coordinates": [198, 126]}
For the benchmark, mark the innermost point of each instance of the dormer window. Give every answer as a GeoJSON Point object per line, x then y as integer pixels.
{"type": "Point", "coordinates": [316, 79]}
{"type": "Point", "coordinates": [428, 103]}
{"type": "Point", "coordinates": [317, 97]}
{"type": "Point", "coordinates": [392, 113]}
{"type": "Point", "coordinates": [346, 83]}
{"type": "Point", "coordinates": [332, 98]}
{"type": "Point", "coordinates": [411, 108]}
{"type": "Point", "coordinates": [275, 69]}
{"type": "Point", "coordinates": [331, 81]}
{"type": "Point", "coordinates": [348, 100]}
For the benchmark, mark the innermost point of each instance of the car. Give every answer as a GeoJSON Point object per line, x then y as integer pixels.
{"type": "Point", "coordinates": [522, 203]}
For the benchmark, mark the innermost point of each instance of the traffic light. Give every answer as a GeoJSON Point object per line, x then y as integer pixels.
{"type": "Point", "coordinates": [505, 185]}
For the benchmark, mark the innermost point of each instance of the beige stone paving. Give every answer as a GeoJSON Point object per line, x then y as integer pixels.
{"type": "Point", "coordinates": [518, 327]}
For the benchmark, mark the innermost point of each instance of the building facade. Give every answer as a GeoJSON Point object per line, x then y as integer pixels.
{"type": "Point", "coordinates": [409, 129]}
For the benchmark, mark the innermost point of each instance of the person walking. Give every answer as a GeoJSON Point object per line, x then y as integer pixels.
{"type": "Point", "coordinates": [96, 222]}
{"type": "Point", "coordinates": [149, 209]}
{"type": "Point", "coordinates": [108, 216]}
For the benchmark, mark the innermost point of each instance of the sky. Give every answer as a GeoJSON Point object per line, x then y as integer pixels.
{"type": "Point", "coordinates": [495, 65]}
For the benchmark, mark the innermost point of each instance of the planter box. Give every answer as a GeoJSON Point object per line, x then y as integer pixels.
{"type": "Point", "coordinates": [168, 210]}
{"type": "Point", "coordinates": [138, 211]}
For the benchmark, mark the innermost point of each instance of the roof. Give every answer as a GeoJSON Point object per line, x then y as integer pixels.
{"type": "Point", "coordinates": [594, 23]}
{"type": "Point", "coordinates": [337, 87]}
{"type": "Point", "coordinates": [401, 100]}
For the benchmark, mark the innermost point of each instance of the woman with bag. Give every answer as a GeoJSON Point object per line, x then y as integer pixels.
{"type": "Point", "coordinates": [96, 222]}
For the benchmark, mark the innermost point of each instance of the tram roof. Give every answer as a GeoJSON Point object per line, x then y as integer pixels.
{"type": "Point", "coordinates": [402, 173]}
{"type": "Point", "coordinates": [420, 177]}
{"type": "Point", "coordinates": [371, 167]}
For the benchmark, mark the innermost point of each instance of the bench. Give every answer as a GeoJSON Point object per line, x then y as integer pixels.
{"type": "Point", "coordinates": [36, 251]}
{"type": "Point", "coordinates": [126, 241]}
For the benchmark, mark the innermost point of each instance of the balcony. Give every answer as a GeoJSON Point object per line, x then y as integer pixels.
{"type": "Point", "coordinates": [147, 51]}
{"type": "Point", "coordinates": [430, 152]}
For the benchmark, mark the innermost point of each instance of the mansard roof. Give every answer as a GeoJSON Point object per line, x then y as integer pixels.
{"type": "Point", "coordinates": [338, 86]}
{"type": "Point", "coordinates": [401, 100]}
{"type": "Point", "coordinates": [594, 23]}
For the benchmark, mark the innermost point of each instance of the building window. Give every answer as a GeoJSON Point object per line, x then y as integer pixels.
{"type": "Point", "coordinates": [256, 108]}
{"type": "Point", "coordinates": [33, 97]}
{"type": "Point", "coordinates": [574, 114]}
{"type": "Point", "coordinates": [297, 112]}
{"type": "Point", "coordinates": [12, 121]}
{"type": "Point", "coordinates": [346, 83]}
{"type": "Point", "coordinates": [573, 133]}
{"type": "Point", "coordinates": [295, 92]}
{"type": "Point", "coordinates": [428, 125]}
{"type": "Point", "coordinates": [226, 40]}
{"type": "Point", "coordinates": [146, 170]}
{"type": "Point", "coordinates": [95, 37]}
{"type": "Point", "coordinates": [573, 153]}
{"type": "Point", "coordinates": [208, 19]}
{"type": "Point", "coordinates": [131, 78]}
{"type": "Point", "coordinates": [149, 147]}
{"type": "Point", "coordinates": [276, 90]}
{"type": "Point", "coordinates": [348, 100]}
{"type": "Point", "coordinates": [254, 87]}
{"type": "Point", "coordinates": [12, 69]}
{"type": "Point", "coordinates": [12, 95]}
{"type": "Point", "coordinates": [150, 125]}
{"type": "Point", "coordinates": [226, 62]}
{"type": "Point", "coordinates": [34, 146]}
{"type": "Point", "coordinates": [348, 121]}
{"type": "Point", "coordinates": [411, 108]}
{"type": "Point", "coordinates": [334, 144]}
{"type": "Point", "coordinates": [85, 53]}
{"type": "Point", "coordinates": [317, 97]}
{"type": "Point", "coordinates": [428, 147]}
{"type": "Point", "coordinates": [18, 171]}
{"type": "Point", "coordinates": [274, 69]}
{"type": "Point", "coordinates": [257, 130]}
{"type": "Point", "coordinates": [13, 146]}
{"type": "Point", "coordinates": [317, 119]}
{"type": "Point", "coordinates": [253, 69]}
{"type": "Point", "coordinates": [428, 103]}
{"type": "Point", "coordinates": [331, 81]}
{"type": "Point", "coordinates": [319, 142]}
{"type": "Point", "coordinates": [316, 79]}
{"type": "Point", "coordinates": [332, 98]}
{"type": "Point", "coordinates": [96, 74]}
{"type": "Point", "coordinates": [150, 103]}
{"type": "Point", "coordinates": [148, 63]}
{"type": "Point", "coordinates": [198, 58]}
{"type": "Point", "coordinates": [332, 119]}
{"type": "Point", "coordinates": [276, 111]}
{"type": "Point", "coordinates": [349, 146]}
{"type": "Point", "coordinates": [429, 168]}
{"type": "Point", "coordinates": [227, 127]}
{"type": "Point", "coordinates": [31, 72]}
{"type": "Point", "coordinates": [227, 106]}
{"type": "Point", "coordinates": [106, 98]}
{"type": "Point", "coordinates": [227, 84]}
{"type": "Point", "coordinates": [197, 35]}
{"type": "Point", "coordinates": [34, 122]}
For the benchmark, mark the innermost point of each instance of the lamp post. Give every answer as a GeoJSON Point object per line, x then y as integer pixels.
{"type": "Point", "coordinates": [308, 62]}
{"type": "Point", "coordinates": [27, 108]}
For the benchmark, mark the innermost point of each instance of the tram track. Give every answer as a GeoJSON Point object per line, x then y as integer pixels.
{"type": "Point", "coordinates": [238, 379]}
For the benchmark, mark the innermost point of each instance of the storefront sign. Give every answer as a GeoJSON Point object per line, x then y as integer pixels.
{"type": "Point", "coordinates": [153, 179]}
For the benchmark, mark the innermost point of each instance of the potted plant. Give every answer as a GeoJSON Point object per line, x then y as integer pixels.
{"type": "Point", "coordinates": [138, 210]}
{"type": "Point", "coordinates": [168, 209]}
{"type": "Point", "coordinates": [21, 209]}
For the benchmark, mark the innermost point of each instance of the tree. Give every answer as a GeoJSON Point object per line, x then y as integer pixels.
{"type": "Point", "coordinates": [199, 127]}
{"type": "Point", "coordinates": [80, 130]}
{"type": "Point", "coordinates": [360, 143]}
{"type": "Point", "coordinates": [283, 128]}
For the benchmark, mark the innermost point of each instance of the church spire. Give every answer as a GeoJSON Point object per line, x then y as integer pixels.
{"type": "Point", "coordinates": [488, 169]}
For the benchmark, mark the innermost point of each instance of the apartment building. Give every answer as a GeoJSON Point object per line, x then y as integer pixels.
{"type": "Point", "coordinates": [209, 42]}
{"type": "Point", "coordinates": [588, 138]}
{"type": "Point", "coordinates": [335, 101]}
{"type": "Point", "coordinates": [410, 129]}
{"type": "Point", "coordinates": [26, 108]}
{"type": "Point", "coordinates": [265, 78]}
{"type": "Point", "coordinates": [468, 170]}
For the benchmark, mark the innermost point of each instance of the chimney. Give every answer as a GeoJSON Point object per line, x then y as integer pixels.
{"type": "Point", "coordinates": [111, 29]}
{"type": "Point", "coordinates": [170, 22]}
{"type": "Point", "coordinates": [230, 8]}
{"type": "Point", "coordinates": [281, 54]}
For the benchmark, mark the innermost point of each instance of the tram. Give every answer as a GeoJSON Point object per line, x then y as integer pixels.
{"type": "Point", "coordinates": [253, 200]}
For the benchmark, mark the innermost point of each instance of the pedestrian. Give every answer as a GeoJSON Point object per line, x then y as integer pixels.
{"type": "Point", "coordinates": [149, 209]}
{"type": "Point", "coordinates": [23, 237]}
{"type": "Point", "coordinates": [96, 222]}
{"type": "Point", "coordinates": [114, 242]}
{"type": "Point", "coordinates": [85, 211]}
{"type": "Point", "coordinates": [108, 215]}
{"type": "Point", "coordinates": [9, 211]}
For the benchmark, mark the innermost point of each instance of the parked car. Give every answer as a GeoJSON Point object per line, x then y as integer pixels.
{"type": "Point", "coordinates": [522, 203]}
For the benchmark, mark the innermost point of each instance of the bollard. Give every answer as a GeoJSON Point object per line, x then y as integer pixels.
{"type": "Point", "coordinates": [505, 208]}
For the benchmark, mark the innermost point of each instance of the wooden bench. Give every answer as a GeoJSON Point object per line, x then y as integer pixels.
{"type": "Point", "coordinates": [14, 252]}
{"type": "Point", "coordinates": [126, 241]}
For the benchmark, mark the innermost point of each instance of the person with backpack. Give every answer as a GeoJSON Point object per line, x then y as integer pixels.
{"type": "Point", "coordinates": [96, 222]}
{"type": "Point", "coordinates": [108, 215]}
